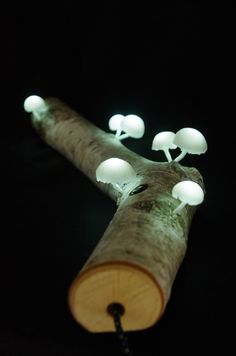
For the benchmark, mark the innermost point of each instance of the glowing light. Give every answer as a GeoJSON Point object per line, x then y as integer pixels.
{"type": "Point", "coordinates": [34, 104]}
{"type": "Point", "coordinates": [164, 141]}
{"type": "Point", "coordinates": [133, 126]}
{"type": "Point", "coordinates": [115, 171]}
{"type": "Point", "coordinates": [188, 192]}
{"type": "Point", "coordinates": [190, 140]}
{"type": "Point", "coordinates": [115, 122]}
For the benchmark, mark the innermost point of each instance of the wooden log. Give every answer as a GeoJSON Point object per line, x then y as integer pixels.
{"type": "Point", "coordinates": [136, 260]}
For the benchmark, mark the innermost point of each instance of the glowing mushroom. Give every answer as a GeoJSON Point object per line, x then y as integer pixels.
{"type": "Point", "coordinates": [164, 141]}
{"type": "Point", "coordinates": [133, 126]}
{"type": "Point", "coordinates": [34, 104]}
{"type": "Point", "coordinates": [190, 140]}
{"type": "Point", "coordinates": [115, 124]}
{"type": "Point", "coordinates": [188, 192]}
{"type": "Point", "coordinates": [115, 171]}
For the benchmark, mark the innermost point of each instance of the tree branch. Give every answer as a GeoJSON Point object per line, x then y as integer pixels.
{"type": "Point", "coordinates": [137, 259]}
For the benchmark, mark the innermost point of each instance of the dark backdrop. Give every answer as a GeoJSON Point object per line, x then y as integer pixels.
{"type": "Point", "coordinates": [170, 63]}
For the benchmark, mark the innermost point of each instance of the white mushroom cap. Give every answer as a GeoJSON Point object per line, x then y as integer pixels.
{"type": "Point", "coordinates": [33, 103]}
{"type": "Point", "coordinates": [133, 125]}
{"type": "Point", "coordinates": [115, 122]}
{"type": "Point", "coordinates": [163, 140]}
{"type": "Point", "coordinates": [190, 140]}
{"type": "Point", "coordinates": [188, 192]}
{"type": "Point", "coordinates": [114, 171]}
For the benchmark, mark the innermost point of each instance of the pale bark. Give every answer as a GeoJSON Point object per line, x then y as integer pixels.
{"type": "Point", "coordinates": [137, 258]}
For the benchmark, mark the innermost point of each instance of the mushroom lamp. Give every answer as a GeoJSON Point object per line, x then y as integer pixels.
{"type": "Point", "coordinates": [133, 126]}
{"type": "Point", "coordinates": [114, 124]}
{"type": "Point", "coordinates": [34, 104]}
{"type": "Point", "coordinates": [131, 271]}
{"type": "Point", "coordinates": [115, 171]}
{"type": "Point", "coordinates": [188, 192]}
{"type": "Point", "coordinates": [164, 141]}
{"type": "Point", "coordinates": [189, 140]}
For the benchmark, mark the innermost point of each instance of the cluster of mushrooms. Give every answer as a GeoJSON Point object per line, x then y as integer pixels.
{"type": "Point", "coordinates": [118, 172]}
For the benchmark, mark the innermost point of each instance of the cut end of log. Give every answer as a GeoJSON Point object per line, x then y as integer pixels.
{"type": "Point", "coordinates": [95, 289]}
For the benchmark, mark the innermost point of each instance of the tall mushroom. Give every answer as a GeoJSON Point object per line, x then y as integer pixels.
{"type": "Point", "coordinates": [188, 192]}
{"type": "Point", "coordinates": [189, 140]}
{"type": "Point", "coordinates": [115, 171]}
{"type": "Point", "coordinates": [164, 141]}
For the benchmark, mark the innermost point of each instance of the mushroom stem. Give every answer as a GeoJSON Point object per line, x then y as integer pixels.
{"type": "Point", "coordinates": [118, 133]}
{"type": "Point", "coordinates": [36, 114]}
{"type": "Point", "coordinates": [122, 137]}
{"type": "Point", "coordinates": [118, 187]}
{"type": "Point", "coordinates": [180, 156]}
{"type": "Point", "coordinates": [168, 155]}
{"type": "Point", "coordinates": [179, 208]}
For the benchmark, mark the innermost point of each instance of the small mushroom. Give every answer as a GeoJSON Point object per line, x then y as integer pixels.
{"type": "Point", "coordinates": [189, 140]}
{"type": "Point", "coordinates": [115, 171]}
{"type": "Point", "coordinates": [188, 192]}
{"type": "Point", "coordinates": [133, 126]}
{"type": "Point", "coordinates": [34, 104]}
{"type": "Point", "coordinates": [164, 141]}
{"type": "Point", "coordinates": [115, 124]}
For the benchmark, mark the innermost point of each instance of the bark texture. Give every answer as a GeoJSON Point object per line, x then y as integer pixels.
{"type": "Point", "coordinates": [144, 234]}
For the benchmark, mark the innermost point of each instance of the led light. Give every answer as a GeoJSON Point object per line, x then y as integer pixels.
{"type": "Point", "coordinates": [164, 141]}
{"type": "Point", "coordinates": [188, 192]}
{"type": "Point", "coordinates": [133, 126]}
{"type": "Point", "coordinates": [189, 140]}
{"type": "Point", "coordinates": [115, 171]}
{"type": "Point", "coordinates": [115, 122]}
{"type": "Point", "coordinates": [34, 104]}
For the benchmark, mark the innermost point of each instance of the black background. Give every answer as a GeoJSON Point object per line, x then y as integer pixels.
{"type": "Point", "coordinates": [170, 63]}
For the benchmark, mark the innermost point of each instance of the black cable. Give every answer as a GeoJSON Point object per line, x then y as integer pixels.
{"type": "Point", "coordinates": [117, 310]}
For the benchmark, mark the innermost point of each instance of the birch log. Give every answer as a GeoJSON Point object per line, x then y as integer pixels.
{"type": "Point", "coordinates": [137, 258]}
